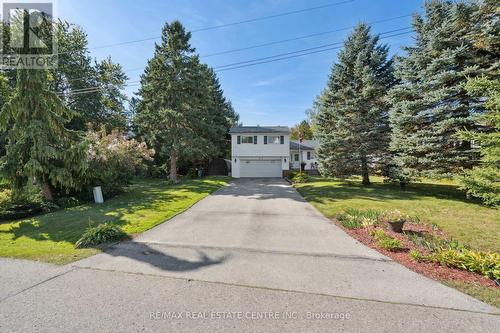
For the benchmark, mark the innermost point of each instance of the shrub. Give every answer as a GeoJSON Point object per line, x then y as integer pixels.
{"type": "Point", "coordinates": [385, 241]}
{"type": "Point", "coordinates": [192, 173]}
{"type": "Point", "coordinates": [103, 233]}
{"type": "Point", "coordinates": [378, 234]}
{"type": "Point", "coordinates": [300, 177]}
{"type": "Point", "coordinates": [67, 202]}
{"type": "Point", "coordinates": [389, 243]}
{"type": "Point", "coordinates": [25, 203]}
{"type": "Point", "coordinates": [393, 216]}
{"type": "Point", "coordinates": [487, 264]}
{"type": "Point", "coordinates": [355, 218]}
{"type": "Point", "coordinates": [113, 160]}
{"type": "Point", "coordinates": [417, 256]}
{"type": "Point", "coordinates": [433, 243]}
{"type": "Point", "coordinates": [348, 221]}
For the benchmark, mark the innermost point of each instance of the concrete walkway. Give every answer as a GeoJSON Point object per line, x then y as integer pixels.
{"type": "Point", "coordinates": [253, 256]}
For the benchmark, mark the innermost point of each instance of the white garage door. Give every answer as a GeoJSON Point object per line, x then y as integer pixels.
{"type": "Point", "coordinates": [259, 168]}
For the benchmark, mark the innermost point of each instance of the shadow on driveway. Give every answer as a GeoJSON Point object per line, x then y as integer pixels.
{"type": "Point", "coordinates": [141, 252]}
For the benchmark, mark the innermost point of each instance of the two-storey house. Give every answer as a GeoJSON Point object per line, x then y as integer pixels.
{"type": "Point", "coordinates": [260, 151]}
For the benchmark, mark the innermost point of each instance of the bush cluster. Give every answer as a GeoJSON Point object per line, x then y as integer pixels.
{"type": "Point", "coordinates": [487, 264]}
{"type": "Point", "coordinates": [300, 177]}
{"type": "Point", "coordinates": [393, 216]}
{"type": "Point", "coordinates": [25, 204]}
{"type": "Point", "coordinates": [433, 243]}
{"type": "Point", "coordinates": [101, 234]}
{"type": "Point", "coordinates": [113, 161]}
{"type": "Point", "coordinates": [355, 218]}
{"type": "Point", "coordinates": [385, 241]}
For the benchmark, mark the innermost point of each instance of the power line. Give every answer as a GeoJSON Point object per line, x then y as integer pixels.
{"type": "Point", "coordinates": [261, 18]}
{"type": "Point", "coordinates": [96, 88]}
{"type": "Point", "coordinates": [93, 87]}
{"type": "Point", "coordinates": [300, 51]}
{"type": "Point", "coordinates": [299, 37]}
{"type": "Point", "coordinates": [300, 55]}
{"type": "Point", "coordinates": [265, 60]}
{"type": "Point", "coordinates": [274, 42]}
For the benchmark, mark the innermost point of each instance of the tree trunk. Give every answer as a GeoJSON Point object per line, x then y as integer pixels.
{"type": "Point", "coordinates": [173, 166]}
{"type": "Point", "coordinates": [364, 171]}
{"type": "Point", "coordinates": [402, 184]}
{"type": "Point", "coordinates": [47, 191]}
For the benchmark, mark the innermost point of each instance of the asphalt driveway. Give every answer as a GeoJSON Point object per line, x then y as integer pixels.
{"type": "Point", "coordinates": [254, 249]}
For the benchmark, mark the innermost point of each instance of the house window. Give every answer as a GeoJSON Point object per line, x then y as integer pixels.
{"type": "Point", "coordinates": [296, 157]}
{"type": "Point", "coordinates": [308, 155]}
{"type": "Point", "coordinates": [247, 139]}
{"type": "Point", "coordinates": [273, 140]}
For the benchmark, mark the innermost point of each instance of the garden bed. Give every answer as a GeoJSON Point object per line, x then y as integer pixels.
{"type": "Point", "coordinates": [430, 269]}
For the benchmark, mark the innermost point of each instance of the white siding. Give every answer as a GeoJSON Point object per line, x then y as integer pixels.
{"type": "Point", "coordinates": [309, 163]}
{"type": "Point", "coordinates": [259, 151]}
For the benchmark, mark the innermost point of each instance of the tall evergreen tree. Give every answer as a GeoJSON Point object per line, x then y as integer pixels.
{"type": "Point", "coordinates": [219, 112]}
{"type": "Point", "coordinates": [39, 147]}
{"type": "Point", "coordinates": [430, 103]}
{"type": "Point", "coordinates": [483, 181]}
{"type": "Point", "coordinates": [75, 72]}
{"type": "Point", "coordinates": [112, 79]}
{"type": "Point", "coordinates": [181, 112]}
{"type": "Point", "coordinates": [352, 119]}
{"type": "Point", "coordinates": [5, 92]}
{"type": "Point", "coordinates": [76, 78]}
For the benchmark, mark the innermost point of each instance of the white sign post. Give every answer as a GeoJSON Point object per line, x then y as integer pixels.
{"type": "Point", "coordinates": [98, 198]}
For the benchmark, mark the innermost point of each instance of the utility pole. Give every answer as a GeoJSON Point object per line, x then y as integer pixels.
{"type": "Point", "coordinates": [300, 152]}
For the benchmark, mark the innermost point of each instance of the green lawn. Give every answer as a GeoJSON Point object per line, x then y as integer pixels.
{"type": "Point", "coordinates": [489, 295]}
{"type": "Point", "coordinates": [438, 203]}
{"type": "Point", "coordinates": [145, 204]}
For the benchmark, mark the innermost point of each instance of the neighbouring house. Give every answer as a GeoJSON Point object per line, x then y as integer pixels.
{"type": "Point", "coordinates": [303, 152]}
{"type": "Point", "coordinates": [266, 151]}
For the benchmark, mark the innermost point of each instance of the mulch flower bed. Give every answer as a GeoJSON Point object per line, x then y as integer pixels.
{"type": "Point", "coordinates": [432, 270]}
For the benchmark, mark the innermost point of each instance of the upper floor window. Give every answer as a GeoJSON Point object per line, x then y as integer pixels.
{"type": "Point", "coordinates": [274, 140]}
{"type": "Point", "coordinates": [247, 139]}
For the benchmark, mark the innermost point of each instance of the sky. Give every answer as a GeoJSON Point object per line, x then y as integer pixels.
{"type": "Point", "coordinates": [274, 93]}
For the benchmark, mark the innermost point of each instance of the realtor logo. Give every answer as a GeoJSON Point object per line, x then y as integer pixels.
{"type": "Point", "coordinates": [27, 37]}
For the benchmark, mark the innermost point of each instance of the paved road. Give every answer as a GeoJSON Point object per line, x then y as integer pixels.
{"type": "Point", "coordinates": [253, 256]}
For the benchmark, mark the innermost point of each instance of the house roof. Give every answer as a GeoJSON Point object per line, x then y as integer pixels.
{"type": "Point", "coordinates": [260, 129]}
{"type": "Point", "coordinates": [305, 145]}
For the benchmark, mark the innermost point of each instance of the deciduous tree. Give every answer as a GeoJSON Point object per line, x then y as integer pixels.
{"type": "Point", "coordinates": [301, 130]}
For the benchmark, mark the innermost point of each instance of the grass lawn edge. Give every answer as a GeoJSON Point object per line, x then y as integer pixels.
{"type": "Point", "coordinates": [487, 294]}
{"type": "Point", "coordinates": [145, 205]}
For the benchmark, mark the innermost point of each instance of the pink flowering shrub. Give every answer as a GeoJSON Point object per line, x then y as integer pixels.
{"type": "Point", "coordinates": [114, 159]}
